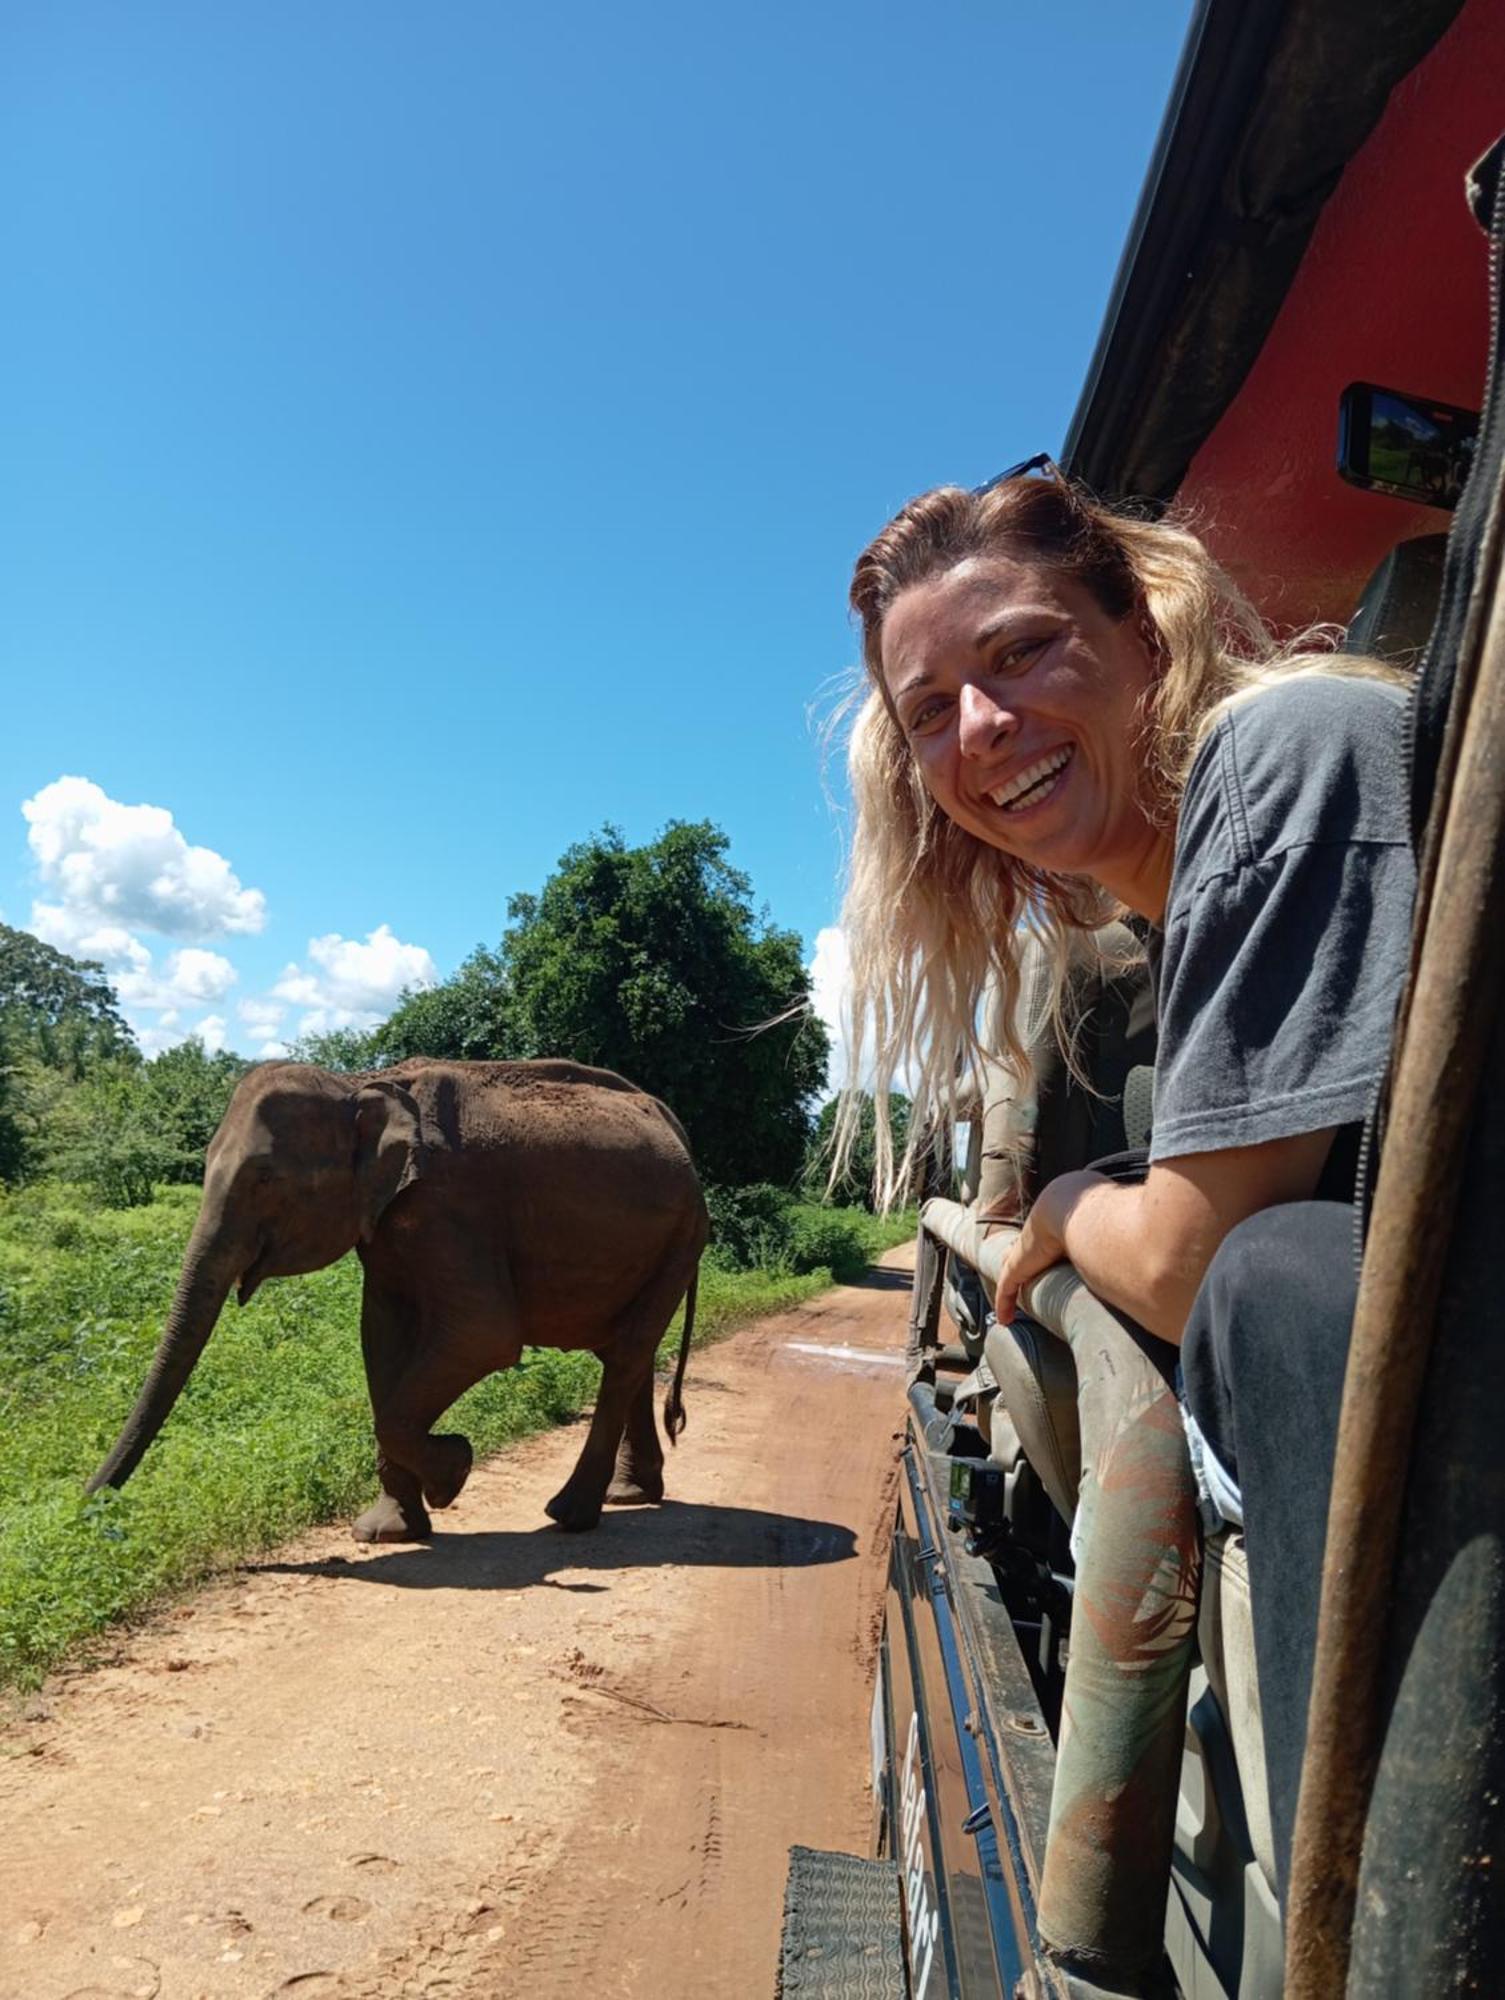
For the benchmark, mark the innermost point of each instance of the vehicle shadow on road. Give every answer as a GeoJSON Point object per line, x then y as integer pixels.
{"type": "Point", "coordinates": [879, 1278]}
{"type": "Point", "coordinates": [679, 1532]}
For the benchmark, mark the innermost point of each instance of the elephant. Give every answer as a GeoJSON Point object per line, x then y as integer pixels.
{"type": "Point", "coordinates": [492, 1204]}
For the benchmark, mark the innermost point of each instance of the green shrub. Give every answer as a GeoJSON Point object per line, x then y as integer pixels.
{"type": "Point", "coordinates": [750, 1226]}
{"type": "Point", "coordinates": [764, 1228]}
{"type": "Point", "coordinates": [832, 1239]}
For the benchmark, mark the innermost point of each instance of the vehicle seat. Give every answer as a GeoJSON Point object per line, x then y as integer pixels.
{"type": "Point", "coordinates": [1223, 1928]}
{"type": "Point", "coordinates": [1225, 1632]}
{"type": "Point", "coordinates": [1394, 616]}
{"type": "Point", "coordinates": [1027, 1142]}
{"type": "Point", "coordinates": [1037, 1386]}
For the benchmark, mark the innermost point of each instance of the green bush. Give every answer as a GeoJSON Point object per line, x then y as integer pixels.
{"type": "Point", "coordinates": [832, 1239]}
{"type": "Point", "coordinates": [765, 1228]}
{"type": "Point", "coordinates": [750, 1226]}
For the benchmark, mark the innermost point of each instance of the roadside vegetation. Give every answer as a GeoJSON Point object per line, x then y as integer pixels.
{"type": "Point", "coordinates": [648, 960]}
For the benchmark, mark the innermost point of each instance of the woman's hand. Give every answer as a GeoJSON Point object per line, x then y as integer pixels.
{"type": "Point", "coordinates": [1042, 1241]}
{"type": "Point", "coordinates": [1143, 1248]}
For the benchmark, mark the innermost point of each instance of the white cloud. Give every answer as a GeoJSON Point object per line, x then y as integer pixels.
{"type": "Point", "coordinates": [350, 984]}
{"type": "Point", "coordinates": [110, 871]}
{"type": "Point", "coordinates": [211, 1032]}
{"type": "Point", "coordinates": [262, 1018]}
{"type": "Point", "coordinates": [192, 977]}
{"type": "Point", "coordinates": [170, 1028]}
{"type": "Point", "coordinates": [831, 996]}
{"type": "Point", "coordinates": [113, 868]}
{"type": "Point", "coordinates": [80, 937]}
{"type": "Point", "coordinates": [200, 975]}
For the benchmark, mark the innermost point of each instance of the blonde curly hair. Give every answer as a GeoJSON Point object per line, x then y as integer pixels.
{"type": "Point", "coordinates": [932, 915]}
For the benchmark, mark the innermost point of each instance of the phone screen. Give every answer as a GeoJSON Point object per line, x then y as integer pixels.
{"type": "Point", "coordinates": [1403, 445]}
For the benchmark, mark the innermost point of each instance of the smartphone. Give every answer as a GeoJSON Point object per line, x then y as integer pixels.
{"type": "Point", "coordinates": [1403, 445]}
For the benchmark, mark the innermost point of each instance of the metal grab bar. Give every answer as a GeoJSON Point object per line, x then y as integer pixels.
{"type": "Point", "coordinates": [1113, 1803]}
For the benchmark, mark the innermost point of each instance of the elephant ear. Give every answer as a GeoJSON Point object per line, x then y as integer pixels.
{"type": "Point", "coordinates": [388, 1149]}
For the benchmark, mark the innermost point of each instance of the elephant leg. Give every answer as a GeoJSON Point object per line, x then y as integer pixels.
{"type": "Point", "coordinates": [433, 1378]}
{"type": "Point", "coordinates": [639, 1476]}
{"type": "Point", "coordinates": [625, 1404]}
{"type": "Point", "coordinates": [388, 1336]}
{"type": "Point", "coordinates": [577, 1504]}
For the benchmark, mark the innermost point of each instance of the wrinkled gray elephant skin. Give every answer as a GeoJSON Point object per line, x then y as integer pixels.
{"type": "Point", "coordinates": [493, 1206]}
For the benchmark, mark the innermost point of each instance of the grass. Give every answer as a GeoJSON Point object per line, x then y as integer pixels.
{"type": "Point", "coordinates": [273, 1432]}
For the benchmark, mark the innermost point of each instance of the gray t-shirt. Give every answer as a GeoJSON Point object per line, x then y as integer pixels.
{"type": "Point", "coordinates": [1288, 924]}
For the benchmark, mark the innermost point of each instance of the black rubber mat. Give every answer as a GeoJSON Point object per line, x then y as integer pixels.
{"type": "Point", "coordinates": [843, 1933]}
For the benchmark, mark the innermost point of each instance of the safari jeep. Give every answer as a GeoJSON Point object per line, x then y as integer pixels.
{"type": "Point", "coordinates": [1302, 349]}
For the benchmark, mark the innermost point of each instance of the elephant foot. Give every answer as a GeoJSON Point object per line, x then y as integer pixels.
{"type": "Point", "coordinates": [446, 1467]}
{"type": "Point", "coordinates": [388, 1520]}
{"type": "Point", "coordinates": [574, 1510]}
{"type": "Point", "coordinates": [635, 1489]}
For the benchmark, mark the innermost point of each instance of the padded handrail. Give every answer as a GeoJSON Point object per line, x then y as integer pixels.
{"type": "Point", "coordinates": [1113, 1805]}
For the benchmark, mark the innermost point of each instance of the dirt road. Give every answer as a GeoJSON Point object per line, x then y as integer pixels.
{"type": "Point", "coordinates": [512, 1762]}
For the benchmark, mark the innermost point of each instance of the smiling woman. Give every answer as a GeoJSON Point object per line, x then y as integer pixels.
{"type": "Point", "coordinates": [1072, 714]}
{"type": "Point", "coordinates": [1041, 672]}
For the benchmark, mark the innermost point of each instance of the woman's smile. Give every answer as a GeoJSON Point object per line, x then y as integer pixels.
{"type": "Point", "coordinates": [1034, 786]}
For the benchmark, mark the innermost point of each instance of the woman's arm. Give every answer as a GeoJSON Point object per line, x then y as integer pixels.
{"type": "Point", "coordinates": [1144, 1249]}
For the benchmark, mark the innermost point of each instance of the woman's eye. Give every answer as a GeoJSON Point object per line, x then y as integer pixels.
{"type": "Point", "coordinates": [921, 717]}
{"type": "Point", "coordinates": [1019, 654]}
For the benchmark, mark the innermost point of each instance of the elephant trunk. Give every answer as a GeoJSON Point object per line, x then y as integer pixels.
{"type": "Point", "coordinates": [207, 1275]}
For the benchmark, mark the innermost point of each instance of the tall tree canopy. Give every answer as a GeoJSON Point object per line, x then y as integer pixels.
{"type": "Point", "coordinates": [76, 1098]}
{"type": "Point", "coordinates": [61, 1011]}
{"type": "Point", "coordinates": [470, 1018]}
{"type": "Point", "coordinates": [652, 961]}
{"type": "Point", "coordinates": [59, 1020]}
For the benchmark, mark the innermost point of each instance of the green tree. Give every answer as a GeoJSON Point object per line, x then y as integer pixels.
{"type": "Point", "coordinates": [648, 960]}
{"type": "Point", "coordinates": [182, 1097]}
{"type": "Point", "coordinates": [61, 1010]}
{"type": "Point", "coordinates": [99, 1133]}
{"type": "Point", "coordinates": [470, 1018]}
{"type": "Point", "coordinates": [652, 961]}
{"type": "Point", "coordinates": [127, 1126]}
{"type": "Point", "coordinates": [59, 1021]}
{"type": "Point", "coordinates": [340, 1048]}
{"type": "Point", "coordinates": [855, 1187]}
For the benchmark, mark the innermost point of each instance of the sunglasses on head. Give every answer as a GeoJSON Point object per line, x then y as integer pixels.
{"type": "Point", "coordinates": [1042, 462]}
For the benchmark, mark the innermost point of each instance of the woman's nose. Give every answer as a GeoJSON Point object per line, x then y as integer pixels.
{"type": "Point", "coordinates": [981, 720]}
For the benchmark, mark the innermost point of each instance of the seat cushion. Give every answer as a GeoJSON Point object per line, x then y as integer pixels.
{"type": "Point", "coordinates": [1226, 1634]}
{"type": "Point", "coordinates": [1036, 1379]}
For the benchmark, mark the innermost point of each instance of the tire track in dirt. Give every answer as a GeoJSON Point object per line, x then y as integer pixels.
{"type": "Point", "coordinates": [511, 1762]}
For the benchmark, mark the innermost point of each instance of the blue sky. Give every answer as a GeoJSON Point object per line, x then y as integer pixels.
{"type": "Point", "coordinates": [429, 433]}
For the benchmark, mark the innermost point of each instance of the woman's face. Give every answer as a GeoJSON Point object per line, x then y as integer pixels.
{"type": "Point", "coordinates": [1019, 697]}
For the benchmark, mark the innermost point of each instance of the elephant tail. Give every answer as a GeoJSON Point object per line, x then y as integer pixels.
{"type": "Point", "coordinates": [674, 1402]}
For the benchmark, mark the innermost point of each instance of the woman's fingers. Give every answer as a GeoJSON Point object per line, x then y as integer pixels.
{"type": "Point", "coordinates": [1036, 1249]}
{"type": "Point", "coordinates": [1042, 1241]}
{"type": "Point", "coordinates": [1006, 1299]}
{"type": "Point", "coordinates": [1018, 1269]}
